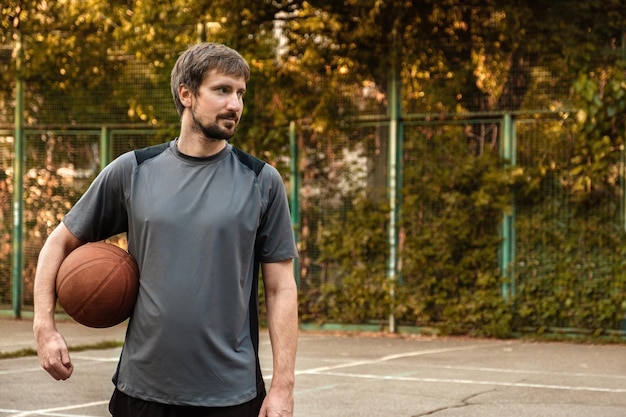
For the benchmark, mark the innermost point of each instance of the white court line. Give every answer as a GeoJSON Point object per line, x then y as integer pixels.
{"type": "Point", "coordinates": [37, 369]}
{"type": "Point", "coordinates": [387, 358]}
{"type": "Point", "coordinates": [21, 371]}
{"type": "Point", "coordinates": [328, 370]}
{"type": "Point", "coordinates": [53, 411]}
{"type": "Point", "coordinates": [523, 371]}
{"type": "Point", "coordinates": [477, 382]}
{"type": "Point", "coordinates": [381, 359]}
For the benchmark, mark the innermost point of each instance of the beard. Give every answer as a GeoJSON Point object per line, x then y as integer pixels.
{"type": "Point", "coordinates": [214, 130]}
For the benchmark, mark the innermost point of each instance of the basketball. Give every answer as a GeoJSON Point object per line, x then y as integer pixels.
{"type": "Point", "coordinates": [97, 284]}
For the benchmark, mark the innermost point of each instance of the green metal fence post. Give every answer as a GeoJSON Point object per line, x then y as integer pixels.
{"type": "Point", "coordinates": [105, 146]}
{"type": "Point", "coordinates": [394, 185]}
{"type": "Point", "coordinates": [507, 230]}
{"type": "Point", "coordinates": [18, 181]}
{"type": "Point", "coordinates": [294, 185]}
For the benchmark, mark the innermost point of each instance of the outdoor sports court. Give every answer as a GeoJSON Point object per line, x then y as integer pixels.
{"type": "Point", "coordinates": [368, 375]}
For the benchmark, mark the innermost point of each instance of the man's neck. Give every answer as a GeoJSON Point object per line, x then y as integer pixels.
{"type": "Point", "coordinates": [192, 145]}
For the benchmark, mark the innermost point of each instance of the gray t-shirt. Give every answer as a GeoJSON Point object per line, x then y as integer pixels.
{"type": "Point", "coordinates": [198, 228]}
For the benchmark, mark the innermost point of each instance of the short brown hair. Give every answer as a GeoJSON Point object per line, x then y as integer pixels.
{"type": "Point", "coordinates": [200, 59]}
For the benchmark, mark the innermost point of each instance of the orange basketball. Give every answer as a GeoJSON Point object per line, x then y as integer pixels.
{"type": "Point", "coordinates": [97, 284]}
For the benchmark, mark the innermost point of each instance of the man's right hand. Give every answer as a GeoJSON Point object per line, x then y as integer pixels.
{"type": "Point", "coordinates": [53, 354]}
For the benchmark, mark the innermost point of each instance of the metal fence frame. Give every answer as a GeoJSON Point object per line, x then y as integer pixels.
{"type": "Point", "coordinates": [106, 137]}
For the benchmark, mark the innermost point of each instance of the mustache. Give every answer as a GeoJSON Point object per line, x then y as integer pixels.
{"type": "Point", "coordinates": [231, 115]}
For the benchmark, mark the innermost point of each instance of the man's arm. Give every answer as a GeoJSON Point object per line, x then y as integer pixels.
{"type": "Point", "coordinates": [281, 298]}
{"type": "Point", "coordinates": [51, 347]}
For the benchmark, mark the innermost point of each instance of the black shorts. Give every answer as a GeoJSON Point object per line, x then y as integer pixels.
{"type": "Point", "coordinates": [122, 405]}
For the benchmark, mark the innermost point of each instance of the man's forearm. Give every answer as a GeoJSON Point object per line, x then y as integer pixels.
{"type": "Point", "coordinates": [283, 328]}
{"type": "Point", "coordinates": [281, 296]}
{"type": "Point", "coordinates": [57, 246]}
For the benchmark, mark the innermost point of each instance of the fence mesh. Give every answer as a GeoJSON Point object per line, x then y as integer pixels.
{"type": "Point", "coordinates": [569, 264]}
{"type": "Point", "coordinates": [6, 219]}
{"type": "Point", "coordinates": [569, 256]}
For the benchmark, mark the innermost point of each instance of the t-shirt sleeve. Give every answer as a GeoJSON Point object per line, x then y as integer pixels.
{"type": "Point", "coordinates": [102, 212]}
{"type": "Point", "coordinates": [275, 238]}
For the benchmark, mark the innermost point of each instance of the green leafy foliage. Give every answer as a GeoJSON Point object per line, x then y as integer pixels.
{"type": "Point", "coordinates": [571, 275]}
{"type": "Point", "coordinates": [599, 135]}
{"type": "Point", "coordinates": [574, 279]}
{"type": "Point", "coordinates": [324, 64]}
{"type": "Point", "coordinates": [354, 251]}
{"type": "Point", "coordinates": [454, 203]}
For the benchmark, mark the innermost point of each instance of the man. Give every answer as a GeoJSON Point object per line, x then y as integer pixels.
{"type": "Point", "coordinates": [201, 216]}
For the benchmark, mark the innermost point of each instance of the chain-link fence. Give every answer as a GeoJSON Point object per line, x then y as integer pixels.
{"type": "Point", "coordinates": [565, 267]}
{"type": "Point", "coordinates": [568, 257]}
{"type": "Point", "coordinates": [60, 165]}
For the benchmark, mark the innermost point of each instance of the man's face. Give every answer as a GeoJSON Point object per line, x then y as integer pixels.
{"type": "Point", "coordinates": [217, 107]}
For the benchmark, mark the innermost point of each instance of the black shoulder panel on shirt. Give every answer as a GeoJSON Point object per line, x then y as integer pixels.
{"type": "Point", "coordinates": [150, 152]}
{"type": "Point", "coordinates": [250, 161]}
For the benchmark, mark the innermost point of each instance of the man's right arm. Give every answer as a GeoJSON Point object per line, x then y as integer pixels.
{"type": "Point", "coordinates": [51, 347]}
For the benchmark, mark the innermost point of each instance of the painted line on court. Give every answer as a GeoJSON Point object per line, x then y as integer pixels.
{"type": "Point", "coordinates": [476, 382]}
{"type": "Point", "coordinates": [388, 358]}
{"type": "Point", "coordinates": [331, 371]}
{"type": "Point", "coordinates": [381, 359]}
{"type": "Point", "coordinates": [20, 371]}
{"type": "Point", "coordinates": [94, 361]}
{"type": "Point", "coordinates": [521, 371]}
{"type": "Point", "coordinates": [54, 411]}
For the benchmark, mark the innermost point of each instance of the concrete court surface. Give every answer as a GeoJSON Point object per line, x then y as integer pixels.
{"type": "Point", "coordinates": [349, 375]}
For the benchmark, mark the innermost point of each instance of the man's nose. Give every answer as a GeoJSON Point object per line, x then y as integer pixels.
{"type": "Point", "coordinates": [235, 102]}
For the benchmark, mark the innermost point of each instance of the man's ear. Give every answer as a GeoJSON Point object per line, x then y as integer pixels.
{"type": "Point", "coordinates": [185, 95]}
